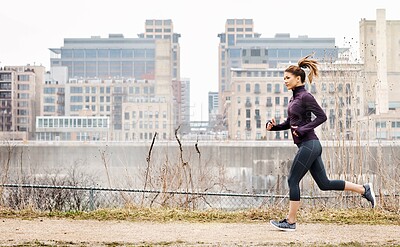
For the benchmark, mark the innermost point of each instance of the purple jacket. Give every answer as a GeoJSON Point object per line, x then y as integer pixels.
{"type": "Point", "coordinates": [301, 105]}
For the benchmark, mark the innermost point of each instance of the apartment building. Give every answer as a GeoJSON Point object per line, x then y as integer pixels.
{"type": "Point", "coordinates": [164, 29]}
{"type": "Point", "coordinates": [106, 76]}
{"type": "Point", "coordinates": [258, 94]}
{"type": "Point", "coordinates": [20, 88]}
{"type": "Point", "coordinates": [240, 45]}
{"type": "Point", "coordinates": [181, 91]}
{"type": "Point", "coordinates": [380, 52]}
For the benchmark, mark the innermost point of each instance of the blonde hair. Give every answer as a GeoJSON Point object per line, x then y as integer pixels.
{"type": "Point", "coordinates": [305, 63]}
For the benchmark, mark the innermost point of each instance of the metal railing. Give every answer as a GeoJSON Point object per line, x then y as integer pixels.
{"type": "Point", "coordinates": [65, 198]}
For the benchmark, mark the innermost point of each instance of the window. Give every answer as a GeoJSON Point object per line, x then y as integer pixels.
{"type": "Point", "coordinates": [47, 90]}
{"type": "Point", "coordinates": [323, 87]}
{"type": "Point", "coordinates": [269, 87]}
{"type": "Point", "coordinates": [255, 52]}
{"type": "Point", "coordinates": [381, 124]}
{"type": "Point", "coordinates": [277, 88]}
{"type": "Point", "coordinates": [248, 125]}
{"type": "Point", "coordinates": [285, 101]}
{"type": "Point", "coordinates": [247, 87]}
{"type": "Point", "coordinates": [277, 100]}
{"type": "Point", "coordinates": [91, 53]}
{"type": "Point", "coordinates": [76, 90]}
{"type": "Point", "coordinates": [269, 101]}
{"type": "Point", "coordinates": [115, 53]}
{"type": "Point", "coordinates": [102, 53]}
{"type": "Point", "coordinates": [78, 53]}
{"type": "Point", "coordinates": [23, 77]}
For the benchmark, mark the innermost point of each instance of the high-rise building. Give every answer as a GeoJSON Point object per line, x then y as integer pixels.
{"type": "Point", "coordinates": [380, 52]}
{"type": "Point", "coordinates": [112, 57]}
{"type": "Point", "coordinates": [20, 88]}
{"type": "Point", "coordinates": [164, 29]}
{"type": "Point", "coordinates": [213, 109]}
{"type": "Point", "coordinates": [182, 104]}
{"type": "Point", "coordinates": [116, 76]}
{"type": "Point", "coordinates": [258, 94]}
{"type": "Point", "coordinates": [240, 45]}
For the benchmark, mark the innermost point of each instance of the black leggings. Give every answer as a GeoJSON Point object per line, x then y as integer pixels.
{"type": "Point", "coordinates": [308, 158]}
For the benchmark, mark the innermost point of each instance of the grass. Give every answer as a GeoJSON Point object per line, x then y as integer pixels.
{"type": "Point", "coordinates": [306, 215]}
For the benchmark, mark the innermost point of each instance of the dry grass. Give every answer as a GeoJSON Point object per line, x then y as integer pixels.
{"type": "Point", "coordinates": [307, 215]}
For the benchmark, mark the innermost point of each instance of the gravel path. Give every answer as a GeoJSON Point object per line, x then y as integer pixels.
{"type": "Point", "coordinates": [121, 233]}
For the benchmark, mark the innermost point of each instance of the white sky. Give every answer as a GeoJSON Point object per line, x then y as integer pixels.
{"type": "Point", "coordinates": [28, 28]}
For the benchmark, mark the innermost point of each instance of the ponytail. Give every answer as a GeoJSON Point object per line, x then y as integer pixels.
{"type": "Point", "coordinates": [305, 63]}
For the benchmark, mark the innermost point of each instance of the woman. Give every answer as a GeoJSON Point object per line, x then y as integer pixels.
{"type": "Point", "coordinates": [308, 157]}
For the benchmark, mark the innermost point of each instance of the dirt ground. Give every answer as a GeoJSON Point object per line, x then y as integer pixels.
{"type": "Point", "coordinates": [65, 232]}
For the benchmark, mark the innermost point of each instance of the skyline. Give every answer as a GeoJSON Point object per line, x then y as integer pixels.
{"type": "Point", "coordinates": [27, 34]}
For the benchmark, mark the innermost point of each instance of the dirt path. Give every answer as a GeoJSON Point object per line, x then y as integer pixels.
{"type": "Point", "coordinates": [100, 233]}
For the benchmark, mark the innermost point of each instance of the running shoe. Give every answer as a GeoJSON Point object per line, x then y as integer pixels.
{"type": "Point", "coordinates": [369, 194]}
{"type": "Point", "coordinates": [283, 225]}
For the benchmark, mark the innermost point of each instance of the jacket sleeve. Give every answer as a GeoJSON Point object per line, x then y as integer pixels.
{"type": "Point", "coordinates": [311, 105]}
{"type": "Point", "coordinates": [282, 126]}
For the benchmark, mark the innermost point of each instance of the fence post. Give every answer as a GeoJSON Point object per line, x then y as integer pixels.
{"type": "Point", "coordinates": [91, 199]}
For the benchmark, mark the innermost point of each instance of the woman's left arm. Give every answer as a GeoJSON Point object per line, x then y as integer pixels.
{"type": "Point", "coordinates": [311, 105]}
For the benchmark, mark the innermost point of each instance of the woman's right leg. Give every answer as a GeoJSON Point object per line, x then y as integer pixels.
{"type": "Point", "coordinates": [318, 172]}
{"type": "Point", "coordinates": [358, 188]}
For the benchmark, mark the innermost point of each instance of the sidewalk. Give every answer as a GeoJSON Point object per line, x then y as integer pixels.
{"type": "Point", "coordinates": [100, 233]}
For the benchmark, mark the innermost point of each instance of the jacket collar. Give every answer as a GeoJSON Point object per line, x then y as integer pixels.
{"type": "Point", "coordinates": [298, 89]}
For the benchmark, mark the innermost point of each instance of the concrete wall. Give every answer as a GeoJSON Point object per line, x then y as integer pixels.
{"type": "Point", "coordinates": [255, 167]}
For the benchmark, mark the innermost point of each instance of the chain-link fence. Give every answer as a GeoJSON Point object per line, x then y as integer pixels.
{"type": "Point", "coordinates": [65, 198]}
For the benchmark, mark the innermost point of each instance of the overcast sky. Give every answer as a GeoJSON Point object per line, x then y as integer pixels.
{"type": "Point", "coordinates": [29, 28]}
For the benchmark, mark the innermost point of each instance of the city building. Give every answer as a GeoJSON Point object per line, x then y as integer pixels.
{"type": "Point", "coordinates": [164, 29]}
{"type": "Point", "coordinates": [258, 94]}
{"type": "Point", "coordinates": [119, 78]}
{"type": "Point", "coordinates": [181, 91]}
{"type": "Point", "coordinates": [20, 91]}
{"type": "Point", "coordinates": [240, 45]}
{"type": "Point", "coordinates": [380, 52]}
{"type": "Point", "coordinates": [213, 106]}
{"type": "Point", "coordinates": [72, 128]}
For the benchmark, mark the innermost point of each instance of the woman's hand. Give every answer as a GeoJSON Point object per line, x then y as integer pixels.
{"type": "Point", "coordinates": [294, 131]}
{"type": "Point", "coordinates": [271, 124]}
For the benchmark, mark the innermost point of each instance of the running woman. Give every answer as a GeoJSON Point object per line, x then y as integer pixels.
{"type": "Point", "coordinates": [308, 157]}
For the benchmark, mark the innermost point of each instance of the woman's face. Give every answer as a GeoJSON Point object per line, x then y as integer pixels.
{"type": "Point", "coordinates": [291, 81]}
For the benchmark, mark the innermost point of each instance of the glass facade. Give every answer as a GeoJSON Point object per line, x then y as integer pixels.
{"type": "Point", "coordinates": [133, 58]}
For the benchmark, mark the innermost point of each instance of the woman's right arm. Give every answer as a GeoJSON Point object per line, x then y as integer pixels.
{"type": "Point", "coordinates": [272, 126]}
